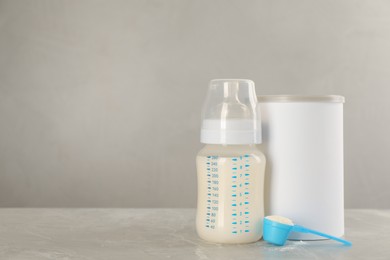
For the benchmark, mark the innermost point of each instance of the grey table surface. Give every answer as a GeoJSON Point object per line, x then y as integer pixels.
{"type": "Point", "coordinates": [166, 234]}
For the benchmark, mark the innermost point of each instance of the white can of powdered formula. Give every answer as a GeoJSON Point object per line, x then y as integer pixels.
{"type": "Point", "coordinates": [303, 143]}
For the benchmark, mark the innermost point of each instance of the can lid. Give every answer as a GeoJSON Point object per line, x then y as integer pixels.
{"type": "Point", "coordinates": [302, 98]}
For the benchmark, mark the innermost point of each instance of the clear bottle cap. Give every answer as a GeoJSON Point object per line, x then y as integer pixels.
{"type": "Point", "coordinates": [230, 113]}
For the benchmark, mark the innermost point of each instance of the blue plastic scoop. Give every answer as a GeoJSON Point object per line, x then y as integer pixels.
{"type": "Point", "coordinates": [276, 230]}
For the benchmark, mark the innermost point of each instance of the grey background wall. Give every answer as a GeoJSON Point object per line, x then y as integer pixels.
{"type": "Point", "coordinates": [100, 100]}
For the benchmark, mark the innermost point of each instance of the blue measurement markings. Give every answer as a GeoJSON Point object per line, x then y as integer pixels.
{"type": "Point", "coordinates": [240, 194]}
{"type": "Point", "coordinates": [246, 192]}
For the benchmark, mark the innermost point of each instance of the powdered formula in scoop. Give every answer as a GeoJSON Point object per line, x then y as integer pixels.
{"type": "Point", "coordinates": [280, 219]}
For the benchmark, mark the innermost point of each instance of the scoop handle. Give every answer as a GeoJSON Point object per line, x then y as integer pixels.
{"type": "Point", "coordinates": [298, 228]}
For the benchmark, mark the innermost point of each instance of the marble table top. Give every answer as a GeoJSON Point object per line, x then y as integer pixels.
{"type": "Point", "coordinates": [166, 234]}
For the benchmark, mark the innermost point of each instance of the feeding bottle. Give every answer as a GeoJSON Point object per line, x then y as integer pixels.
{"type": "Point", "coordinates": [230, 167]}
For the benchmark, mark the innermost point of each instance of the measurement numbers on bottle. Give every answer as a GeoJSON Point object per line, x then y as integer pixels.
{"type": "Point", "coordinates": [212, 204]}
{"type": "Point", "coordinates": [240, 194]}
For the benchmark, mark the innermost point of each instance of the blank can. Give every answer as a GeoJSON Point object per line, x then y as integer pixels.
{"type": "Point", "coordinates": [303, 143]}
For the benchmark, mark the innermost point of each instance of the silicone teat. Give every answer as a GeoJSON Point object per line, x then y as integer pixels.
{"type": "Point", "coordinates": [231, 113]}
{"type": "Point", "coordinates": [277, 229]}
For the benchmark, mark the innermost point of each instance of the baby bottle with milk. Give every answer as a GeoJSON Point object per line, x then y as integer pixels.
{"type": "Point", "coordinates": [230, 167]}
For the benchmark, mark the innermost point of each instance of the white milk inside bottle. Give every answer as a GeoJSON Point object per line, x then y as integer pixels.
{"type": "Point", "coordinates": [230, 167]}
